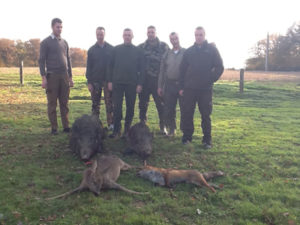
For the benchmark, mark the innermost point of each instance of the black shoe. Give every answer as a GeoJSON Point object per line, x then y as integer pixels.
{"type": "Point", "coordinates": [67, 130]}
{"type": "Point", "coordinates": [54, 132]}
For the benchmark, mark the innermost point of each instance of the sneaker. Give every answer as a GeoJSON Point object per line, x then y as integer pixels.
{"type": "Point", "coordinates": [163, 131]}
{"type": "Point", "coordinates": [171, 133]}
{"type": "Point", "coordinates": [54, 132]}
{"type": "Point", "coordinates": [111, 127]}
{"type": "Point", "coordinates": [67, 130]}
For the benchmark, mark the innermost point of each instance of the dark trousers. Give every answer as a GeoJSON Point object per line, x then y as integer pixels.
{"type": "Point", "coordinates": [119, 90]}
{"type": "Point", "coordinates": [58, 88]}
{"type": "Point", "coordinates": [171, 96]}
{"type": "Point", "coordinates": [96, 98]}
{"type": "Point", "coordinates": [150, 87]}
{"type": "Point", "coordinates": [204, 100]}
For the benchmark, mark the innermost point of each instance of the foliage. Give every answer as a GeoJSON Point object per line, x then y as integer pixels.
{"type": "Point", "coordinates": [12, 52]}
{"type": "Point", "coordinates": [284, 52]}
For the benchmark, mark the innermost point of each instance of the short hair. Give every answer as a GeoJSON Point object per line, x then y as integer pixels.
{"type": "Point", "coordinates": [100, 28]}
{"type": "Point", "coordinates": [200, 28]}
{"type": "Point", "coordinates": [151, 27]}
{"type": "Point", "coordinates": [173, 33]}
{"type": "Point", "coordinates": [127, 29]}
{"type": "Point", "coordinates": [55, 20]}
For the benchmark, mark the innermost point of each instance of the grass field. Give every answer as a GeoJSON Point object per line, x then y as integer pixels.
{"type": "Point", "coordinates": [256, 140]}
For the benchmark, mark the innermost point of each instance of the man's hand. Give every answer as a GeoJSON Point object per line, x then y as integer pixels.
{"type": "Point", "coordinates": [139, 88]}
{"type": "Point", "coordinates": [181, 92]}
{"type": "Point", "coordinates": [109, 86]}
{"type": "Point", "coordinates": [90, 87]}
{"type": "Point", "coordinates": [44, 82]}
{"type": "Point", "coordinates": [71, 83]}
{"type": "Point", "coordinates": [160, 92]}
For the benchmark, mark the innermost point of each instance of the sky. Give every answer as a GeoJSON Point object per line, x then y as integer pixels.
{"type": "Point", "coordinates": [233, 25]}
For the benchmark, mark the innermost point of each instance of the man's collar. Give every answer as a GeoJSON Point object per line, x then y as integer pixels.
{"type": "Point", "coordinates": [53, 36]}
{"type": "Point", "coordinates": [101, 46]}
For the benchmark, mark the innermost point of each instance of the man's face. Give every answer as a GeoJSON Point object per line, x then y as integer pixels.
{"type": "Point", "coordinates": [127, 37]}
{"type": "Point", "coordinates": [100, 34]}
{"type": "Point", "coordinates": [174, 40]}
{"type": "Point", "coordinates": [199, 36]}
{"type": "Point", "coordinates": [56, 29]}
{"type": "Point", "coordinates": [151, 34]}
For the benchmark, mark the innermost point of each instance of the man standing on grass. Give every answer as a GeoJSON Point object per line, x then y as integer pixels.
{"type": "Point", "coordinates": [168, 84]}
{"type": "Point", "coordinates": [126, 77]}
{"type": "Point", "coordinates": [56, 72]}
{"type": "Point", "coordinates": [154, 49]}
{"type": "Point", "coordinates": [96, 73]}
{"type": "Point", "coordinates": [201, 66]}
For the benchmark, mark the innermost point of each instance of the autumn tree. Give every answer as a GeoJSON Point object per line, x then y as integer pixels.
{"type": "Point", "coordinates": [78, 57]}
{"type": "Point", "coordinates": [284, 52]}
{"type": "Point", "coordinates": [7, 52]}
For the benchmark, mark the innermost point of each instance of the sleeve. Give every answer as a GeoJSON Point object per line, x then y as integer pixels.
{"type": "Point", "coordinates": [108, 61]}
{"type": "Point", "coordinates": [218, 67]}
{"type": "Point", "coordinates": [111, 64]}
{"type": "Point", "coordinates": [69, 61]}
{"type": "Point", "coordinates": [88, 67]}
{"type": "Point", "coordinates": [42, 58]}
{"type": "Point", "coordinates": [183, 68]}
{"type": "Point", "coordinates": [161, 76]}
{"type": "Point", "coordinates": [141, 68]}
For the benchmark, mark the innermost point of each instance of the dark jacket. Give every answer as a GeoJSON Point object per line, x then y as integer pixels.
{"type": "Point", "coordinates": [127, 65]}
{"type": "Point", "coordinates": [200, 67]}
{"type": "Point", "coordinates": [97, 63]}
{"type": "Point", "coordinates": [54, 56]}
{"type": "Point", "coordinates": [153, 56]}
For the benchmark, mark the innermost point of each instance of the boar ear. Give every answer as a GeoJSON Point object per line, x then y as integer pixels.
{"type": "Point", "coordinates": [145, 163]}
{"type": "Point", "coordinates": [95, 118]}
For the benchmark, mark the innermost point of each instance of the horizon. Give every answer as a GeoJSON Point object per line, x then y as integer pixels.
{"type": "Point", "coordinates": [234, 26]}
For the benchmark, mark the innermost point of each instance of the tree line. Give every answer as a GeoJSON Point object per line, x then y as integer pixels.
{"type": "Point", "coordinates": [284, 52]}
{"type": "Point", "coordinates": [12, 52]}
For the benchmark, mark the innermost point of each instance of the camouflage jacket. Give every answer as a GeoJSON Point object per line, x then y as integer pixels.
{"type": "Point", "coordinates": [153, 56]}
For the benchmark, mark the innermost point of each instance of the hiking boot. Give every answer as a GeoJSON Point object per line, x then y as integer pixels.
{"type": "Point", "coordinates": [54, 131]}
{"type": "Point", "coordinates": [207, 145]}
{"type": "Point", "coordinates": [67, 130]}
{"type": "Point", "coordinates": [186, 142]}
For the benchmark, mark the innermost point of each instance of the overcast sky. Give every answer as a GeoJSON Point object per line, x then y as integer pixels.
{"type": "Point", "coordinates": [234, 25]}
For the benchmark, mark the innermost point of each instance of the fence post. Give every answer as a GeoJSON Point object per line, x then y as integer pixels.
{"type": "Point", "coordinates": [21, 73]}
{"type": "Point", "coordinates": [242, 80]}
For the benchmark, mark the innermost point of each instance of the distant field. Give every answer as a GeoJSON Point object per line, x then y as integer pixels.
{"type": "Point", "coordinates": [256, 139]}
{"type": "Point", "coordinates": [227, 75]}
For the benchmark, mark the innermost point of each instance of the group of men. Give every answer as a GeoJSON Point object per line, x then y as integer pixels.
{"type": "Point", "coordinates": [152, 68]}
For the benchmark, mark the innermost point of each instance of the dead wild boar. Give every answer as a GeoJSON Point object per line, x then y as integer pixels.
{"type": "Point", "coordinates": [87, 136]}
{"type": "Point", "coordinates": [140, 140]}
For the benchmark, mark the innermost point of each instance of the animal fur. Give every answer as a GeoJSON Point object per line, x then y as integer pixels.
{"type": "Point", "coordinates": [103, 174]}
{"type": "Point", "coordinates": [169, 177]}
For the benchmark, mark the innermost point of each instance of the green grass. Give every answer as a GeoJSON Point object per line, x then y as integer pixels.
{"type": "Point", "coordinates": [256, 141]}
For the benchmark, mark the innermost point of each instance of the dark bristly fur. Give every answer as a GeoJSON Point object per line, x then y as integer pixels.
{"type": "Point", "coordinates": [87, 136]}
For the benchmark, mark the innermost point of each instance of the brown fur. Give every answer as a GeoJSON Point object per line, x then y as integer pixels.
{"type": "Point", "coordinates": [172, 176]}
{"type": "Point", "coordinates": [102, 175]}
